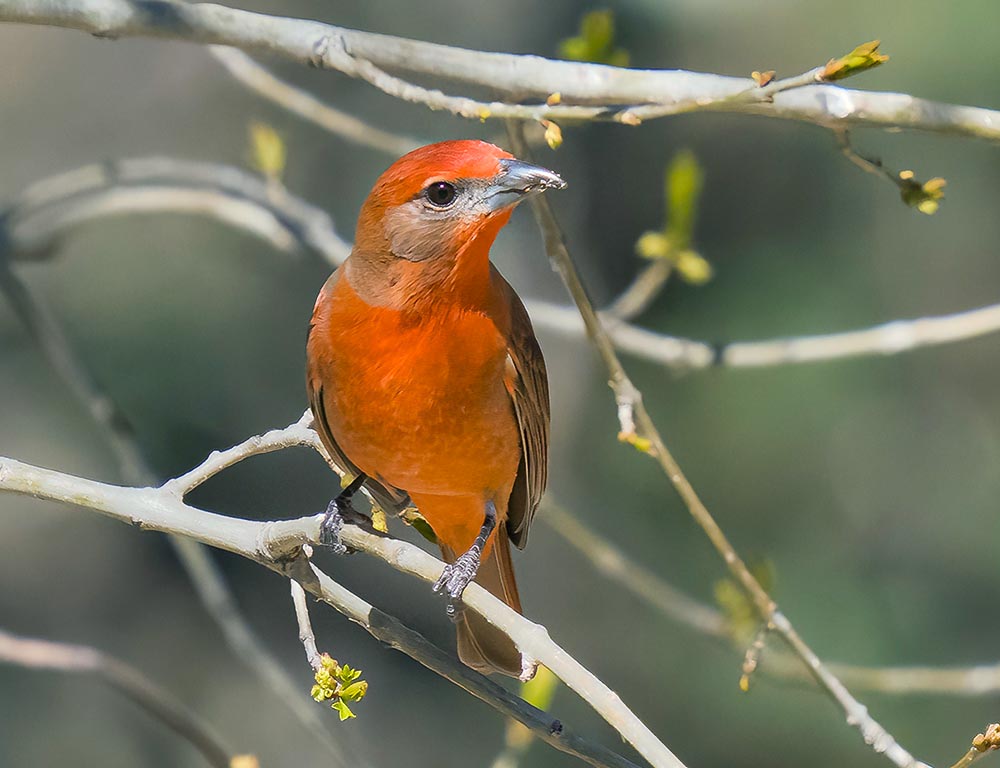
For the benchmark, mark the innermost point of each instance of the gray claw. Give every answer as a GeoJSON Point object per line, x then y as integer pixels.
{"type": "Point", "coordinates": [458, 575]}
{"type": "Point", "coordinates": [333, 523]}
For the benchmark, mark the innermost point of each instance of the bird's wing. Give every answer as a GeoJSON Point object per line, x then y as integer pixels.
{"type": "Point", "coordinates": [528, 385]}
{"type": "Point", "coordinates": [390, 499]}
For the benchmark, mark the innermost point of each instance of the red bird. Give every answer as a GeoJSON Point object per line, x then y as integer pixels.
{"type": "Point", "coordinates": [424, 376]}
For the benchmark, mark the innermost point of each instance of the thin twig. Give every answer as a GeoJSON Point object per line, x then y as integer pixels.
{"type": "Point", "coordinates": [512, 76]}
{"type": "Point", "coordinates": [924, 196]}
{"type": "Point", "coordinates": [302, 103]}
{"type": "Point", "coordinates": [866, 164]}
{"type": "Point", "coordinates": [332, 53]}
{"type": "Point", "coordinates": [278, 545]}
{"type": "Point", "coordinates": [644, 289]}
{"type": "Point", "coordinates": [984, 743]}
{"type": "Point", "coordinates": [35, 653]}
{"type": "Point", "coordinates": [753, 94]}
{"type": "Point", "coordinates": [629, 401]}
{"type": "Point", "coordinates": [48, 209]}
{"type": "Point", "coordinates": [296, 434]}
{"type": "Point", "coordinates": [306, 635]}
{"type": "Point", "coordinates": [624, 571]}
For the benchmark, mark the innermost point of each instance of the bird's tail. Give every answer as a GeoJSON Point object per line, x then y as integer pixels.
{"type": "Point", "coordinates": [481, 645]}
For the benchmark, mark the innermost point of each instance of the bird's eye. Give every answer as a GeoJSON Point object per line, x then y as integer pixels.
{"type": "Point", "coordinates": [441, 194]}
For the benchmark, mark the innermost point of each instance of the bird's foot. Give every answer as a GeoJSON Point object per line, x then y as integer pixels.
{"type": "Point", "coordinates": [457, 576]}
{"type": "Point", "coordinates": [338, 513]}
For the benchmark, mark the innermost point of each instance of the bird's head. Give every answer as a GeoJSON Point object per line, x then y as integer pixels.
{"type": "Point", "coordinates": [440, 201]}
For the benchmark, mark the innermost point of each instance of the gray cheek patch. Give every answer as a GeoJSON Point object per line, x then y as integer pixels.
{"type": "Point", "coordinates": [419, 233]}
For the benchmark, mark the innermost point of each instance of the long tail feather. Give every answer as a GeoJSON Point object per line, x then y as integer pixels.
{"type": "Point", "coordinates": [481, 645]}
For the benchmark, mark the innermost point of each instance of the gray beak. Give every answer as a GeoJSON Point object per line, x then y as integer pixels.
{"type": "Point", "coordinates": [518, 180]}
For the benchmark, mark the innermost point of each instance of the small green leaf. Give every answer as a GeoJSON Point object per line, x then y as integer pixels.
{"type": "Point", "coordinates": [338, 685]}
{"type": "Point", "coordinates": [540, 690]}
{"type": "Point", "coordinates": [865, 56]}
{"type": "Point", "coordinates": [348, 675]}
{"type": "Point", "coordinates": [553, 134]}
{"type": "Point", "coordinates": [343, 709]}
{"type": "Point", "coordinates": [734, 602]}
{"type": "Point", "coordinates": [595, 42]}
{"type": "Point", "coordinates": [926, 197]}
{"type": "Point", "coordinates": [684, 182]}
{"type": "Point", "coordinates": [413, 518]}
{"type": "Point", "coordinates": [268, 150]}
{"type": "Point", "coordinates": [355, 691]}
{"type": "Point", "coordinates": [653, 245]}
{"type": "Point", "coordinates": [379, 521]}
{"type": "Point", "coordinates": [693, 267]}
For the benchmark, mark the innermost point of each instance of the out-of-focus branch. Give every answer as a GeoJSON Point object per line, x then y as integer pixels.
{"type": "Point", "coordinates": [644, 289]}
{"type": "Point", "coordinates": [637, 427]}
{"type": "Point", "coordinates": [34, 653]}
{"type": "Point", "coordinates": [616, 565]}
{"type": "Point", "coordinates": [586, 90]}
{"type": "Point", "coordinates": [278, 546]}
{"type": "Point", "coordinates": [206, 577]}
{"type": "Point", "coordinates": [625, 572]}
{"type": "Point", "coordinates": [53, 207]}
{"type": "Point", "coordinates": [302, 103]}
{"type": "Point", "coordinates": [881, 340]}
{"type": "Point", "coordinates": [32, 224]}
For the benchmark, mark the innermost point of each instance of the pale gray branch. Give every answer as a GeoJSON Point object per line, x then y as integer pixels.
{"type": "Point", "coordinates": [306, 635]}
{"type": "Point", "coordinates": [53, 207]}
{"type": "Point", "coordinates": [582, 86]}
{"type": "Point", "coordinates": [302, 103]}
{"type": "Point", "coordinates": [33, 653]}
{"type": "Point", "coordinates": [278, 545]}
{"type": "Point", "coordinates": [50, 208]}
{"type": "Point", "coordinates": [206, 577]}
{"type": "Point", "coordinates": [610, 561]}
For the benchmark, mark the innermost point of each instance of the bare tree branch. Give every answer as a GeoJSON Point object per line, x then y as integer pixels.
{"type": "Point", "coordinates": [206, 577]}
{"type": "Point", "coordinates": [278, 546]}
{"type": "Point", "coordinates": [533, 642]}
{"type": "Point", "coordinates": [302, 103]}
{"type": "Point", "coordinates": [581, 86]}
{"type": "Point", "coordinates": [612, 562]}
{"type": "Point", "coordinates": [638, 428]}
{"type": "Point", "coordinates": [54, 206]}
{"type": "Point", "coordinates": [306, 635]}
{"type": "Point", "coordinates": [983, 743]}
{"type": "Point", "coordinates": [890, 338]}
{"type": "Point", "coordinates": [133, 684]}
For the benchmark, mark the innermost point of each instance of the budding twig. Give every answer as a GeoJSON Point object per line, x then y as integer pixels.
{"type": "Point", "coordinates": [857, 715]}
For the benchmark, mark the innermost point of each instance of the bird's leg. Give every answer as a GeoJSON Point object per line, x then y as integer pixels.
{"type": "Point", "coordinates": [338, 512]}
{"type": "Point", "coordinates": [458, 575]}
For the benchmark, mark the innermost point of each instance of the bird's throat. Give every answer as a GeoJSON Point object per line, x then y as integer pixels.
{"type": "Point", "coordinates": [457, 275]}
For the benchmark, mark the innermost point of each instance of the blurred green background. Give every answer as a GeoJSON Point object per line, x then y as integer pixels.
{"type": "Point", "coordinates": [871, 485]}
